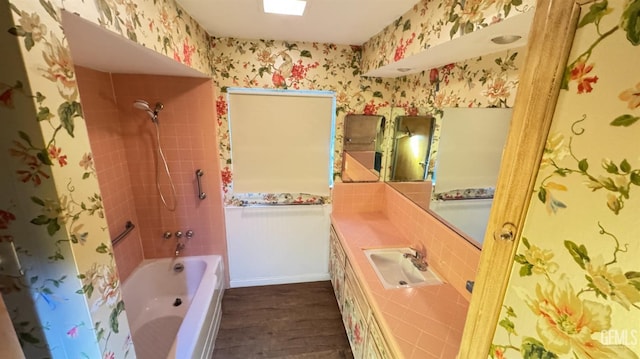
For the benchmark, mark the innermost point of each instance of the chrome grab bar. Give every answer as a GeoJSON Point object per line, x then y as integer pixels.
{"type": "Point", "coordinates": [201, 195]}
{"type": "Point", "coordinates": [128, 227]}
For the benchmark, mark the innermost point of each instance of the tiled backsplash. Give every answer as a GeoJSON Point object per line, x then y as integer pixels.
{"type": "Point", "coordinates": [448, 252]}
{"type": "Point", "coordinates": [358, 197]}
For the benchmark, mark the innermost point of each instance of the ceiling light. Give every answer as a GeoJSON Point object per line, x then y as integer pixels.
{"type": "Point", "coordinates": [284, 7]}
{"type": "Point", "coordinates": [506, 39]}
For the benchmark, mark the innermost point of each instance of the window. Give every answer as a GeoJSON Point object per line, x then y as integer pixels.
{"type": "Point", "coordinates": [281, 141]}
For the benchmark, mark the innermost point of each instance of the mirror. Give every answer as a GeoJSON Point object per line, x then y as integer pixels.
{"type": "Point", "coordinates": [411, 144]}
{"type": "Point", "coordinates": [467, 158]}
{"type": "Point", "coordinates": [362, 148]}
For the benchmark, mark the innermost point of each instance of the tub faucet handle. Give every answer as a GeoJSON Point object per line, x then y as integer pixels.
{"type": "Point", "coordinates": [178, 234]}
{"type": "Point", "coordinates": [189, 234]}
{"type": "Point", "coordinates": [166, 235]}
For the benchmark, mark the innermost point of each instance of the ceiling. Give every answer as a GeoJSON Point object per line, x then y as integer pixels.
{"type": "Point", "coordinates": [343, 22]}
{"type": "Point", "coordinates": [244, 19]}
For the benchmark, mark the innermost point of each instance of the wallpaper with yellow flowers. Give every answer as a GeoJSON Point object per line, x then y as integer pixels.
{"type": "Point", "coordinates": [575, 288]}
{"type": "Point", "coordinates": [68, 302]}
{"type": "Point", "coordinates": [52, 208]}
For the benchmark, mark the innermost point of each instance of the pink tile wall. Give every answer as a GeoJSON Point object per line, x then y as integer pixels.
{"type": "Point", "coordinates": [188, 127]}
{"type": "Point", "coordinates": [123, 145]}
{"type": "Point", "coordinates": [358, 197]}
{"type": "Point", "coordinates": [107, 145]}
{"type": "Point", "coordinates": [417, 192]}
{"type": "Point", "coordinates": [448, 252]}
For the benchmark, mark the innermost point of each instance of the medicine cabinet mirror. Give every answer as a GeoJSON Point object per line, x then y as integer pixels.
{"type": "Point", "coordinates": [362, 148]}
{"type": "Point", "coordinates": [411, 144]}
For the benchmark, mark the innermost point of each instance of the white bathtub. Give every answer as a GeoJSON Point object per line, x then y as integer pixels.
{"type": "Point", "coordinates": [161, 329]}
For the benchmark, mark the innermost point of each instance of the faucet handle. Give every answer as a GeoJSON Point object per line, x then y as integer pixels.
{"type": "Point", "coordinates": [420, 252]}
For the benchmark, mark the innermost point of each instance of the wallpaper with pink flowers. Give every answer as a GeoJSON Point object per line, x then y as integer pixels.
{"type": "Point", "coordinates": [433, 22]}
{"type": "Point", "coordinates": [273, 64]}
{"type": "Point", "coordinates": [488, 81]}
{"type": "Point", "coordinates": [574, 291]}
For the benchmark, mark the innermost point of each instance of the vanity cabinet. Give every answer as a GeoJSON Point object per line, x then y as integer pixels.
{"type": "Point", "coordinates": [363, 330]}
{"type": "Point", "coordinates": [337, 262]}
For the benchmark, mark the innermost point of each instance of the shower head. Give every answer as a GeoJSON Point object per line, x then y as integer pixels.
{"type": "Point", "coordinates": [141, 105]}
{"type": "Point", "coordinates": [144, 106]}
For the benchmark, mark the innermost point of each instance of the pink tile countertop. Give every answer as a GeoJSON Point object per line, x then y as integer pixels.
{"type": "Point", "coordinates": [421, 322]}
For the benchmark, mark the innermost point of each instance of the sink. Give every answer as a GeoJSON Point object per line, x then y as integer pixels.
{"type": "Point", "coordinates": [396, 271]}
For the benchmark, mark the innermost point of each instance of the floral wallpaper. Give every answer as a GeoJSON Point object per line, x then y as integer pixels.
{"type": "Point", "coordinates": [160, 25]}
{"type": "Point", "coordinates": [575, 287]}
{"type": "Point", "coordinates": [301, 66]}
{"type": "Point", "coordinates": [433, 22]}
{"type": "Point", "coordinates": [486, 81]}
{"type": "Point", "coordinates": [68, 302]}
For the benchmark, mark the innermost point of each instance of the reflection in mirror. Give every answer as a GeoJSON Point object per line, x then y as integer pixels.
{"type": "Point", "coordinates": [362, 148]}
{"type": "Point", "coordinates": [468, 156]}
{"type": "Point", "coordinates": [412, 141]}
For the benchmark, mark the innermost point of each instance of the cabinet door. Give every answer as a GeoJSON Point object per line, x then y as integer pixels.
{"type": "Point", "coordinates": [371, 350]}
{"type": "Point", "coordinates": [354, 320]}
{"type": "Point", "coordinates": [336, 267]}
{"type": "Point", "coordinates": [377, 347]}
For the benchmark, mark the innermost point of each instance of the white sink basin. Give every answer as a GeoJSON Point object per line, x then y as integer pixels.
{"type": "Point", "coordinates": [396, 271]}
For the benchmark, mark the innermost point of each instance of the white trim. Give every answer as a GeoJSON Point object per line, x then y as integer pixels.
{"type": "Point", "coordinates": [279, 280]}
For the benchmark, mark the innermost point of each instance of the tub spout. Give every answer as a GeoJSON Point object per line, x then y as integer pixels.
{"type": "Point", "coordinates": [179, 247]}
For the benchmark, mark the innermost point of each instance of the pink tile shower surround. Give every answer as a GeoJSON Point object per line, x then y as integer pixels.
{"type": "Point", "coordinates": [424, 322]}
{"type": "Point", "coordinates": [187, 125]}
{"type": "Point", "coordinates": [110, 161]}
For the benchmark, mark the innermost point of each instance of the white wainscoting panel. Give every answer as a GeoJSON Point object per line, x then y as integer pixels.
{"type": "Point", "coordinates": [277, 244]}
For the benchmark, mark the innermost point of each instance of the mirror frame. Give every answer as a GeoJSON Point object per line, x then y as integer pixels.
{"type": "Point", "coordinates": [550, 41]}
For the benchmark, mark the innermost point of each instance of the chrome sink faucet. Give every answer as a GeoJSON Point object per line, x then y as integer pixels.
{"type": "Point", "coordinates": [418, 259]}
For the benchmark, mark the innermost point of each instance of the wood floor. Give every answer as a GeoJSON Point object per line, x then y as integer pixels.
{"type": "Point", "coordinates": [281, 321]}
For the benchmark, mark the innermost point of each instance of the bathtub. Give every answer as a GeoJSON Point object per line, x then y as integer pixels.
{"type": "Point", "coordinates": [175, 314]}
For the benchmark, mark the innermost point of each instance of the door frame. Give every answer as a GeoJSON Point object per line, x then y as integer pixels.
{"type": "Point", "coordinates": [550, 40]}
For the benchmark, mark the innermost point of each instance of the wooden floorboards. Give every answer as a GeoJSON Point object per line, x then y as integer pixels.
{"type": "Point", "coordinates": [299, 320]}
